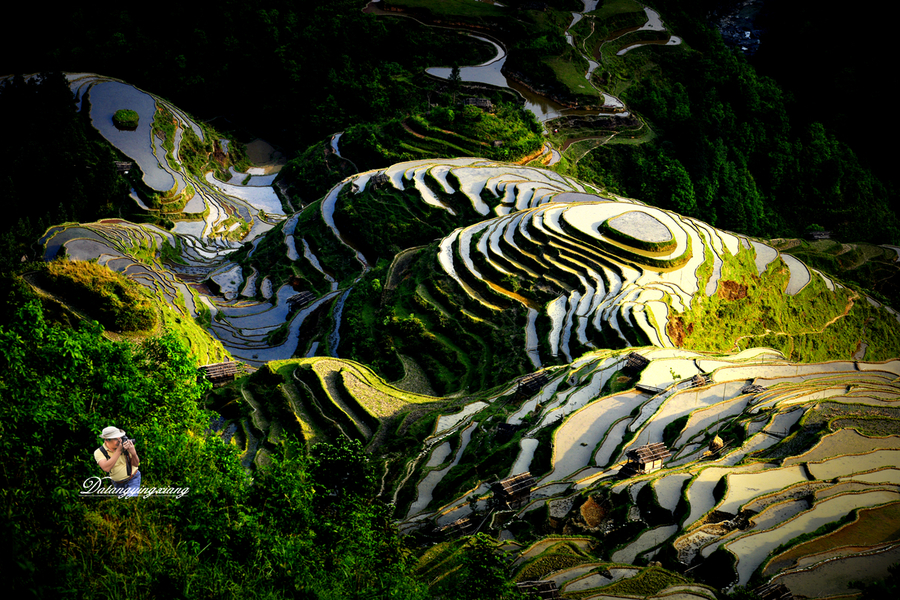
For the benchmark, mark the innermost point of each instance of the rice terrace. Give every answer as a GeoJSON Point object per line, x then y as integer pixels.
{"type": "Point", "coordinates": [474, 322]}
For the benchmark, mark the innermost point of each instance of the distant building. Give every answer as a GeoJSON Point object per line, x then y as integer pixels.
{"type": "Point", "coordinates": [459, 527]}
{"type": "Point", "coordinates": [482, 103]}
{"type": "Point", "coordinates": [539, 589]}
{"type": "Point", "coordinates": [531, 384]}
{"type": "Point", "coordinates": [818, 235]}
{"type": "Point", "coordinates": [635, 363]}
{"type": "Point", "coordinates": [301, 299]}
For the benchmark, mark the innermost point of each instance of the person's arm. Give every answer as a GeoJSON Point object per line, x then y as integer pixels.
{"type": "Point", "coordinates": [132, 455]}
{"type": "Point", "coordinates": [108, 463]}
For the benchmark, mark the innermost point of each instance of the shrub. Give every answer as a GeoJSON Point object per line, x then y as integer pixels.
{"type": "Point", "coordinates": [126, 119]}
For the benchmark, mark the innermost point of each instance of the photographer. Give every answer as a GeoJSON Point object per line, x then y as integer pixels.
{"type": "Point", "coordinates": [118, 457]}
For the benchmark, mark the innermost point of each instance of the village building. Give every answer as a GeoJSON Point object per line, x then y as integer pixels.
{"type": "Point", "coordinates": [634, 363]}
{"type": "Point", "coordinates": [818, 235]}
{"type": "Point", "coordinates": [773, 591]}
{"type": "Point", "coordinates": [301, 299]}
{"type": "Point", "coordinates": [514, 492]}
{"type": "Point", "coordinates": [539, 589]}
{"type": "Point", "coordinates": [221, 373]}
{"type": "Point", "coordinates": [482, 103]}
{"type": "Point", "coordinates": [457, 528]}
{"type": "Point", "coordinates": [379, 180]}
{"type": "Point", "coordinates": [531, 384]}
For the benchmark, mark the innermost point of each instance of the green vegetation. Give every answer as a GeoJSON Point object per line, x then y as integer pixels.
{"type": "Point", "coordinates": [813, 325]}
{"type": "Point", "coordinates": [649, 581]}
{"type": "Point", "coordinates": [263, 538]}
{"type": "Point", "coordinates": [558, 556]}
{"type": "Point", "coordinates": [126, 119]}
{"type": "Point", "coordinates": [109, 297]}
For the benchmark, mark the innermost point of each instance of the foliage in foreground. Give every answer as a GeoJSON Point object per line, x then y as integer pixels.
{"type": "Point", "coordinates": [304, 527]}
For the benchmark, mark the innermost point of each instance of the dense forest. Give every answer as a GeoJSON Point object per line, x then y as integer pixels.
{"type": "Point", "coordinates": [746, 146]}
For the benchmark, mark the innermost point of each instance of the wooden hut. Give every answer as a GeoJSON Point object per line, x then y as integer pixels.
{"type": "Point", "coordinates": [221, 373]}
{"type": "Point", "coordinates": [379, 180]}
{"type": "Point", "coordinates": [539, 589]}
{"type": "Point", "coordinates": [515, 491]}
{"type": "Point", "coordinates": [482, 103]}
{"type": "Point", "coordinates": [773, 591]}
{"type": "Point", "coordinates": [645, 459]}
{"type": "Point", "coordinates": [123, 166]}
{"type": "Point", "coordinates": [531, 384]}
{"type": "Point", "coordinates": [301, 299]}
{"type": "Point", "coordinates": [459, 527]}
{"type": "Point", "coordinates": [635, 363]}
{"type": "Point", "coordinates": [818, 235]}
{"type": "Point", "coordinates": [648, 389]}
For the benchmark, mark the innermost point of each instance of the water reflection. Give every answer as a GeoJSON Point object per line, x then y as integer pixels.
{"type": "Point", "coordinates": [109, 96]}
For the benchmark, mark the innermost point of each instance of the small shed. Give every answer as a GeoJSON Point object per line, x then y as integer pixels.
{"type": "Point", "coordinates": [221, 373]}
{"type": "Point", "coordinates": [379, 180]}
{"type": "Point", "coordinates": [635, 363]}
{"type": "Point", "coordinates": [539, 589]}
{"type": "Point", "coordinates": [700, 379]}
{"type": "Point", "coordinates": [124, 166]}
{"type": "Point", "coordinates": [645, 459]}
{"type": "Point", "coordinates": [301, 299]}
{"type": "Point", "coordinates": [773, 591]}
{"type": "Point", "coordinates": [482, 103]}
{"type": "Point", "coordinates": [531, 384]}
{"type": "Point", "coordinates": [514, 491]}
{"type": "Point", "coordinates": [463, 526]}
{"type": "Point", "coordinates": [818, 235]}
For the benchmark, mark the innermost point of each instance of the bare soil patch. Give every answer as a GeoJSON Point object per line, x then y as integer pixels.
{"type": "Point", "coordinates": [732, 290]}
{"type": "Point", "coordinates": [677, 331]}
